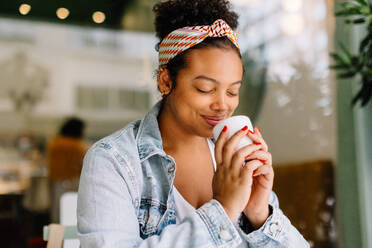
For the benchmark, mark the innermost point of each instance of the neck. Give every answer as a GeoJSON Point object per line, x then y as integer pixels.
{"type": "Point", "coordinates": [176, 137]}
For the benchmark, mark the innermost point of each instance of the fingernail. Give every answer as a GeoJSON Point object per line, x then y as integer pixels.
{"type": "Point", "coordinates": [224, 129]}
{"type": "Point", "coordinates": [262, 161]}
{"type": "Point", "coordinates": [244, 128]}
{"type": "Point", "coordinates": [251, 132]}
{"type": "Point", "coordinates": [258, 129]}
{"type": "Point", "coordinates": [258, 143]}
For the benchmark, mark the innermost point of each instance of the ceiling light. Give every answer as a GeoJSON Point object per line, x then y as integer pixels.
{"type": "Point", "coordinates": [62, 13]}
{"type": "Point", "coordinates": [24, 9]}
{"type": "Point", "coordinates": [98, 17]}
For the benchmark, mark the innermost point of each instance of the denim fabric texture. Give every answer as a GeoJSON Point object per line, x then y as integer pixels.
{"type": "Point", "coordinates": [126, 199]}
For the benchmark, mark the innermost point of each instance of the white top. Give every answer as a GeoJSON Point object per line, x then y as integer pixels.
{"type": "Point", "coordinates": [183, 208]}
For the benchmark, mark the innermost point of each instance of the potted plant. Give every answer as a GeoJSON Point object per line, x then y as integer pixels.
{"type": "Point", "coordinates": [349, 65]}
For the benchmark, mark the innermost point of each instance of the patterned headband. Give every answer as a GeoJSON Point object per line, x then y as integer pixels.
{"type": "Point", "coordinates": [182, 39]}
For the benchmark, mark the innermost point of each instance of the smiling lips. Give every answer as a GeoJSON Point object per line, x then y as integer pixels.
{"type": "Point", "coordinates": [213, 120]}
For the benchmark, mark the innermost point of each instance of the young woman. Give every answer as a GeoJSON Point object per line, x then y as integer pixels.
{"type": "Point", "coordinates": [162, 181]}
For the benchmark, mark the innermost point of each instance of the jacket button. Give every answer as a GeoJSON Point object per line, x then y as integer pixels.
{"type": "Point", "coordinates": [274, 227]}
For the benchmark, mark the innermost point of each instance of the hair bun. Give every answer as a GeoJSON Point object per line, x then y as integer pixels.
{"type": "Point", "coordinates": [174, 14]}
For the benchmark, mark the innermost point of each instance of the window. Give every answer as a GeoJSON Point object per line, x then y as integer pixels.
{"type": "Point", "coordinates": [113, 99]}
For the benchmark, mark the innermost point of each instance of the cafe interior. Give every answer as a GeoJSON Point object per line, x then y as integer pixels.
{"type": "Point", "coordinates": [307, 85]}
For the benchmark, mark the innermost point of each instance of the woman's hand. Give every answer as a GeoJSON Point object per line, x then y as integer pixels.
{"type": "Point", "coordinates": [232, 181]}
{"type": "Point", "coordinates": [257, 209]}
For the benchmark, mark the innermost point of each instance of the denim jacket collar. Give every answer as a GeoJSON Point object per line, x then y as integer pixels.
{"type": "Point", "coordinates": [149, 140]}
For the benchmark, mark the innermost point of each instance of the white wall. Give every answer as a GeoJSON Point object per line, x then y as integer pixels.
{"type": "Point", "coordinates": [70, 56]}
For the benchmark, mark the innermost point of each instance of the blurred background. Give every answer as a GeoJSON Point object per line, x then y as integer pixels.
{"type": "Point", "coordinates": [94, 61]}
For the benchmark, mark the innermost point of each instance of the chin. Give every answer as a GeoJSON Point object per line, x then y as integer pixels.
{"type": "Point", "coordinates": [208, 134]}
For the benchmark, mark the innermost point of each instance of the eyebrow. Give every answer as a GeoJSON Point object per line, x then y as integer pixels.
{"type": "Point", "coordinates": [214, 80]}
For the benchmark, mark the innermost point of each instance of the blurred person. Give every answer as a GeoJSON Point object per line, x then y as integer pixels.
{"type": "Point", "coordinates": [163, 181]}
{"type": "Point", "coordinates": [65, 160]}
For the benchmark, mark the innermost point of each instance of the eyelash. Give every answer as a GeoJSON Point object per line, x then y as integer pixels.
{"type": "Point", "coordinates": [206, 92]}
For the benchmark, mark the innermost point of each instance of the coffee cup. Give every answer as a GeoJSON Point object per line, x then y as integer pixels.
{"type": "Point", "coordinates": [234, 124]}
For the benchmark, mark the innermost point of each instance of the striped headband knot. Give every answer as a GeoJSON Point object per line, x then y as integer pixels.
{"type": "Point", "coordinates": [182, 39]}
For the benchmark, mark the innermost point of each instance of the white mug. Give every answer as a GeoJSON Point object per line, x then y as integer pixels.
{"type": "Point", "coordinates": [234, 124]}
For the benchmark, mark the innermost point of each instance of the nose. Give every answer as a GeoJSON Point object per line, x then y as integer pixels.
{"type": "Point", "coordinates": [219, 103]}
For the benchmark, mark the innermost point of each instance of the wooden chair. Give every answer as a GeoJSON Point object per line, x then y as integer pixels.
{"type": "Point", "coordinates": [55, 234]}
{"type": "Point", "coordinates": [64, 234]}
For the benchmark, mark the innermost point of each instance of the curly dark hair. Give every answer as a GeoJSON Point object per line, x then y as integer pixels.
{"type": "Point", "coordinates": [174, 14]}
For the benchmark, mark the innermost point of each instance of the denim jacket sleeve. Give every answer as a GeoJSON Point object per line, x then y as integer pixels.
{"type": "Point", "coordinates": [107, 216]}
{"type": "Point", "coordinates": [277, 231]}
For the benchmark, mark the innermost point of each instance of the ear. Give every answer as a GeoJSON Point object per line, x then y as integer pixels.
{"type": "Point", "coordinates": [164, 82]}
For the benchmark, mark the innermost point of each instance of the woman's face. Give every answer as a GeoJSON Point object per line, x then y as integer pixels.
{"type": "Point", "coordinates": [207, 90]}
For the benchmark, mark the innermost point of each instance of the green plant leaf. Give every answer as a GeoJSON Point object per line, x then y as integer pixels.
{"type": "Point", "coordinates": [351, 4]}
{"type": "Point", "coordinates": [367, 73]}
{"type": "Point", "coordinates": [339, 67]}
{"type": "Point", "coordinates": [348, 65]}
{"type": "Point", "coordinates": [362, 2]}
{"type": "Point", "coordinates": [348, 10]}
{"type": "Point", "coordinates": [343, 13]}
{"type": "Point", "coordinates": [367, 41]}
{"type": "Point", "coordinates": [364, 94]}
{"type": "Point", "coordinates": [351, 12]}
{"type": "Point", "coordinates": [356, 21]}
{"type": "Point", "coordinates": [338, 58]}
{"type": "Point", "coordinates": [369, 19]}
{"type": "Point", "coordinates": [346, 74]}
{"type": "Point", "coordinates": [365, 10]}
{"type": "Point", "coordinates": [346, 55]}
{"type": "Point", "coordinates": [356, 63]}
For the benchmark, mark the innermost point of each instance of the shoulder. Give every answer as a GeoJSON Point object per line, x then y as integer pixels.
{"type": "Point", "coordinates": [115, 156]}
{"type": "Point", "coordinates": [121, 143]}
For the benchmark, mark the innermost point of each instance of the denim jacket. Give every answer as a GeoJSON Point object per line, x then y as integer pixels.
{"type": "Point", "coordinates": [126, 199]}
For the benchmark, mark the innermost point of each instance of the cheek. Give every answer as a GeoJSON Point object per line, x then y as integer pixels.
{"type": "Point", "coordinates": [198, 104]}
{"type": "Point", "coordinates": [185, 102]}
{"type": "Point", "coordinates": [193, 99]}
{"type": "Point", "coordinates": [234, 101]}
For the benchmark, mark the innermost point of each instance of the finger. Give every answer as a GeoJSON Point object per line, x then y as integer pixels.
{"type": "Point", "coordinates": [265, 157]}
{"type": "Point", "coordinates": [221, 140]}
{"type": "Point", "coordinates": [248, 169]}
{"type": "Point", "coordinates": [264, 170]}
{"type": "Point", "coordinates": [229, 148]}
{"type": "Point", "coordinates": [256, 138]}
{"type": "Point", "coordinates": [238, 158]}
{"type": "Point", "coordinates": [258, 131]}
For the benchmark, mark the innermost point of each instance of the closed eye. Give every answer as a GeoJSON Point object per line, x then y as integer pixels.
{"type": "Point", "coordinates": [233, 94]}
{"type": "Point", "coordinates": [204, 92]}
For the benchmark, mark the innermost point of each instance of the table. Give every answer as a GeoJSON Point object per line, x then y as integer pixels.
{"type": "Point", "coordinates": [15, 177]}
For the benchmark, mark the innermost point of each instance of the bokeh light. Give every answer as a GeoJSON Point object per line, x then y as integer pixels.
{"type": "Point", "coordinates": [62, 13]}
{"type": "Point", "coordinates": [24, 9]}
{"type": "Point", "coordinates": [98, 17]}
